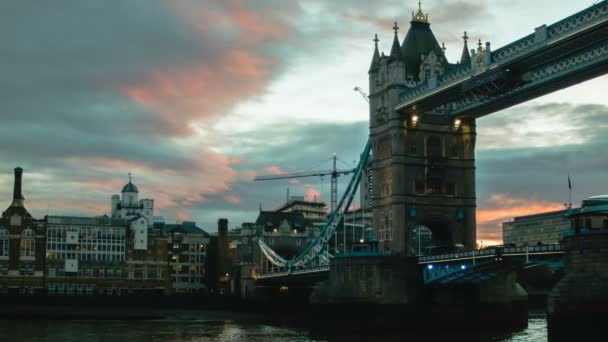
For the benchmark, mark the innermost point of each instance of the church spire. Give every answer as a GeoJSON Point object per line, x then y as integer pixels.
{"type": "Point", "coordinates": [420, 17]}
{"type": "Point", "coordinates": [396, 49]}
{"type": "Point", "coordinates": [466, 56]}
{"type": "Point", "coordinates": [376, 58]}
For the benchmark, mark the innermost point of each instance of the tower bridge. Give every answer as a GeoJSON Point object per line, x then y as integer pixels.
{"type": "Point", "coordinates": [423, 110]}
{"type": "Point", "coordinates": [421, 151]}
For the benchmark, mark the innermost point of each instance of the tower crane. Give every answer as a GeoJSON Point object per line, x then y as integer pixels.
{"type": "Point", "coordinates": [334, 172]}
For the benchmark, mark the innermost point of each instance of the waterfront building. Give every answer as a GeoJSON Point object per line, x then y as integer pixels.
{"type": "Point", "coordinates": [146, 269]}
{"type": "Point", "coordinates": [543, 228]}
{"type": "Point", "coordinates": [22, 245]}
{"type": "Point", "coordinates": [549, 228]}
{"type": "Point", "coordinates": [187, 254]}
{"type": "Point", "coordinates": [313, 211]}
{"type": "Point", "coordinates": [85, 255]}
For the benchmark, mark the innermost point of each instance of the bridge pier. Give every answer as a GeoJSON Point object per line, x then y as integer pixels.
{"type": "Point", "coordinates": [371, 280]}
{"type": "Point", "coordinates": [577, 305]}
{"type": "Point", "coordinates": [496, 304]}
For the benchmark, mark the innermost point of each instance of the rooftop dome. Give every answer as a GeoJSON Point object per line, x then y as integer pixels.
{"type": "Point", "coordinates": [130, 187]}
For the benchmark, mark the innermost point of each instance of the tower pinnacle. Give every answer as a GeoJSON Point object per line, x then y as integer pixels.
{"type": "Point", "coordinates": [376, 58]}
{"type": "Point", "coordinates": [396, 48]}
{"type": "Point", "coordinates": [465, 58]}
{"type": "Point", "coordinates": [420, 17]}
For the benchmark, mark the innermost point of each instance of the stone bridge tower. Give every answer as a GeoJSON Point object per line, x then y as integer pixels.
{"type": "Point", "coordinates": [423, 163]}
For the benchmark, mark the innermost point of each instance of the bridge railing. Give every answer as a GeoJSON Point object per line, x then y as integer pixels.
{"type": "Point", "coordinates": [499, 251]}
{"type": "Point", "coordinates": [285, 272]}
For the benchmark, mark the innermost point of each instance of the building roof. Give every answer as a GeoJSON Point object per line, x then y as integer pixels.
{"type": "Point", "coordinates": [186, 227]}
{"type": "Point", "coordinates": [273, 219]}
{"type": "Point", "coordinates": [299, 202]}
{"type": "Point", "coordinates": [86, 221]}
{"type": "Point", "coordinates": [551, 214]}
{"type": "Point", "coordinates": [595, 200]}
{"type": "Point", "coordinates": [419, 40]}
{"type": "Point", "coordinates": [129, 187]}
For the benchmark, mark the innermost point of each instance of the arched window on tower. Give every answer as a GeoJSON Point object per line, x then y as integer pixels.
{"type": "Point", "coordinates": [28, 244]}
{"type": "Point", "coordinates": [4, 242]}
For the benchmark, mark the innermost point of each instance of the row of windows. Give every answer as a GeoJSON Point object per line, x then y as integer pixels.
{"type": "Point", "coordinates": [107, 273]}
{"type": "Point", "coordinates": [60, 233]}
{"type": "Point", "coordinates": [117, 256]}
{"type": "Point", "coordinates": [27, 245]}
{"type": "Point", "coordinates": [60, 247]}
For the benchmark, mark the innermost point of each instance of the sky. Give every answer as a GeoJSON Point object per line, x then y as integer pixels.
{"type": "Point", "coordinates": [197, 97]}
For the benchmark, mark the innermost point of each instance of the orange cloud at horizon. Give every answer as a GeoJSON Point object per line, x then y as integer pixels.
{"type": "Point", "coordinates": [504, 207]}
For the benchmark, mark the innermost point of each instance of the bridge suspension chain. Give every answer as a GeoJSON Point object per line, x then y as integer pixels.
{"type": "Point", "coordinates": [316, 252]}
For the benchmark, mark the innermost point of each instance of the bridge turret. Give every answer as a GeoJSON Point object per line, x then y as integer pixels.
{"type": "Point", "coordinates": [423, 162]}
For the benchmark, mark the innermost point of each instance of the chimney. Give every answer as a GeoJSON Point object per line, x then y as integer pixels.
{"type": "Point", "coordinates": [17, 195]}
{"type": "Point", "coordinates": [222, 226]}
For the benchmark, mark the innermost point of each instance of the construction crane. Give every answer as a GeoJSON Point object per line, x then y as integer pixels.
{"type": "Point", "coordinates": [334, 172]}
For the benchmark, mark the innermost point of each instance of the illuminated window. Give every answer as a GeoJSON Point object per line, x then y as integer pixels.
{"type": "Point", "coordinates": [4, 242]}
{"type": "Point", "coordinates": [28, 243]}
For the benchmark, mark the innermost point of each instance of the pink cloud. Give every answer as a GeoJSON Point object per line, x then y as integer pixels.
{"type": "Point", "coordinates": [183, 216]}
{"type": "Point", "coordinates": [312, 193]}
{"type": "Point", "coordinates": [234, 199]}
{"type": "Point", "coordinates": [275, 170]}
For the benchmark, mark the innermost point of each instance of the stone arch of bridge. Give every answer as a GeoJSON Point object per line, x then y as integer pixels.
{"type": "Point", "coordinates": [442, 238]}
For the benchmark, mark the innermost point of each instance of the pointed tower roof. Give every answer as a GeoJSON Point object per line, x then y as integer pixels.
{"type": "Point", "coordinates": [466, 56]}
{"type": "Point", "coordinates": [396, 49]}
{"type": "Point", "coordinates": [376, 59]}
{"type": "Point", "coordinates": [419, 40]}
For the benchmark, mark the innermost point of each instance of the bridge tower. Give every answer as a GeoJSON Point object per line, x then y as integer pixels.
{"type": "Point", "coordinates": [423, 163]}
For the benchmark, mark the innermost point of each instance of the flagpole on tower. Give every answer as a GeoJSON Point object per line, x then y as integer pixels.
{"type": "Point", "coordinates": [569, 193]}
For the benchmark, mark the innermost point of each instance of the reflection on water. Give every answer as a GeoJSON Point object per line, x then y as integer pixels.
{"type": "Point", "coordinates": [201, 330]}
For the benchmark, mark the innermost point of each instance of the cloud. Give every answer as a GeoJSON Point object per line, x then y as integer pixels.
{"type": "Point", "coordinates": [498, 208]}
{"type": "Point", "coordinates": [234, 199]}
{"type": "Point", "coordinates": [312, 194]}
{"type": "Point", "coordinates": [275, 170]}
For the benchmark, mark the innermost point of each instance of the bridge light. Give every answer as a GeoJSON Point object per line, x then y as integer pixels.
{"type": "Point", "coordinates": [430, 267]}
{"type": "Point", "coordinates": [457, 124]}
{"type": "Point", "coordinates": [414, 120]}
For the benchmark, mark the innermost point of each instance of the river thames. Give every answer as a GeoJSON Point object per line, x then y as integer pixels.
{"type": "Point", "coordinates": [211, 327]}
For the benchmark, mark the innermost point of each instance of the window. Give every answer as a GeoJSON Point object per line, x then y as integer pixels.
{"type": "Point", "coordinates": [450, 189]}
{"type": "Point", "coordinates": [433, 186]}
{"type": "Point", "coordinates": [4, 242]}
{"type": "Point", "coordinates": [419, 187]}
{"type": "Point", "coordinates": [28, 244]}
{"type": "Point", "coordinates": [433, 147]}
